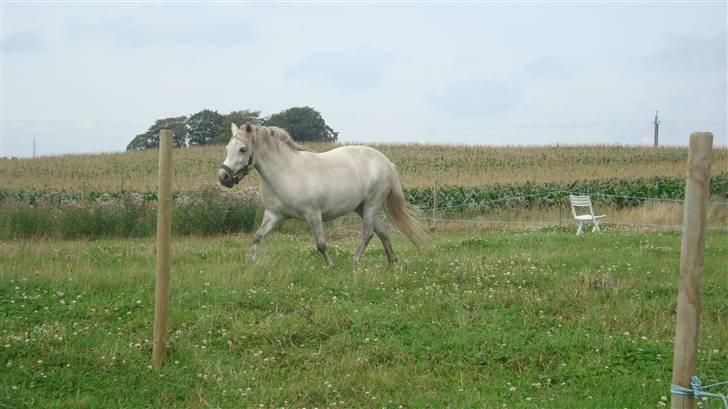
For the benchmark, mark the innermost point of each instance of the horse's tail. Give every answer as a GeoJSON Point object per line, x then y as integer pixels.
{"type": "Point", "coordinates": [401, 215]}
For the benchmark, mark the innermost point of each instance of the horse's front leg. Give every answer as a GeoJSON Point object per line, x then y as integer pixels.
{"type": "Point", "coordinates": [317, 227]}
{"type": "Point", "coordinates": [270, 221]}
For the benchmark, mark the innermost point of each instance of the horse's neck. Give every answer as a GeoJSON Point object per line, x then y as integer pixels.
{"type": "Point", "coordinates": [274, 165]}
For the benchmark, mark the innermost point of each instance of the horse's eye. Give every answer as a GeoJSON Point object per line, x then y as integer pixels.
{"type": "Point", "coordinates": [242, 150]}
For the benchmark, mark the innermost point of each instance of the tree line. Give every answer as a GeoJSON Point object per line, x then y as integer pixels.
{"type": "Point", "coordinates": [209, 127]}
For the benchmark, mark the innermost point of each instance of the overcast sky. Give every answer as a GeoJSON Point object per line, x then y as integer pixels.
{"type": "Point", "coordinates": [88, 77]}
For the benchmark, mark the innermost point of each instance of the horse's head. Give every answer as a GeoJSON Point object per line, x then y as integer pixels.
{"type": "Point", "coordinates": [239, 157]}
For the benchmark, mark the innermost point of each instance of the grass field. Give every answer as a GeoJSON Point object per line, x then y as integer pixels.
{"type": "Point", "coordinates": [419, 165]}
{"type": "Point", "coordinates": [488, 319]}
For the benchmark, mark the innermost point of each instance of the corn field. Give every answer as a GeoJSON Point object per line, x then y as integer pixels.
{"type": "Point", "coordinates": [419, 166]}
{"type": "Point", "coordinates": [114, 195]}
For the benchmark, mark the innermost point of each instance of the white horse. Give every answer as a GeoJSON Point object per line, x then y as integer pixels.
{"type": "Point", "coordinates": [298, 183]}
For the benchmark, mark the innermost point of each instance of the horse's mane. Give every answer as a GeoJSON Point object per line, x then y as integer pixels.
{"type": "Point", "coordinates": [278, 136]}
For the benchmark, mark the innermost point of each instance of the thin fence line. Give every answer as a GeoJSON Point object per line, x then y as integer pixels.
{"type": "Point", "coordinates": [646, 198]}
{"type": "Point", "coordinates": [505, 199]}
{"type": "Point", "coordinates": [481, 203]}
{"type": "Point", "coordinates": [482, 221]}
{"type": "Point", "coordinates": [556, 222]}
{"type": "Point", "coordinates": [657, 199]}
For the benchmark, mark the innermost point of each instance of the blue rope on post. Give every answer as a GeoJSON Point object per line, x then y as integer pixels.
{"type": "Point", "coordinates": [696, 389]}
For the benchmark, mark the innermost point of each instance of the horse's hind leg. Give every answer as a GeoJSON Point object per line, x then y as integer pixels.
{"type": "Point", "coordinates": [270, 220]}
{"type": "Point", "coordinates": [317, 226]}
{"type": "Point", "coordinates": [368, 217]}
{"type": "Point", "coordinates": [383, 235]}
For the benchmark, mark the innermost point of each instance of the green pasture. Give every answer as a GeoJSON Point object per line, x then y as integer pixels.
{"type": "Point", "coordinates": [479, 319]}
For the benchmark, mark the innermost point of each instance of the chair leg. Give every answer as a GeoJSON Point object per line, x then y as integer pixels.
{"type": "Point", "coordinates": [596, 226]}
{"type": "Point", "coordinates": [580, 230]}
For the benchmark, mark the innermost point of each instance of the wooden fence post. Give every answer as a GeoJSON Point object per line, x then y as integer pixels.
{"type": "Point", "coordinates": [434, 202]}
{"type": "Point", "coordinates": [434, 206]}
{"type": "Point", "coordinates": [164, 231]}
{"type": "Point", "coordinates": [691, 266]}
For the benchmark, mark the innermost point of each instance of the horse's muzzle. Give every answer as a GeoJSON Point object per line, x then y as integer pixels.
{"type": "Point", "coordinates": [227, 177]}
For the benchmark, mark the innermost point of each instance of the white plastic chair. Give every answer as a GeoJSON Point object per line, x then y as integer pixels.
{"type": "Point", "coordinates": [581, 219]}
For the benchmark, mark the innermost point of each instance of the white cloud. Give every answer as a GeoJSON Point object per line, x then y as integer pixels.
{"type": "Point", "coordinates": [348, 70]}
{"type": "Point", "coordinates": [477, 98]}
{"type": "Point", "coordinates": [548, 68]}
{"type": "Point", "coordinates": [21, 41]}
{"type": "Point", "coordinates": [692, 54]}
{"type": "Point", "coordinates": [164, 26]}
{"type": "Point", "coordinates": [378, 72]}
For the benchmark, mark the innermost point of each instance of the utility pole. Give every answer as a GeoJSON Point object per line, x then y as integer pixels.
{"type": "Point", "coordinates": [657, 127]}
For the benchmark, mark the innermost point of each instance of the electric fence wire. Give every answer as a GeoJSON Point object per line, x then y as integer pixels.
{"type": "Point", "coordinates": [482, 204]}
{"type": "Point", "coordinates": [555, 192]}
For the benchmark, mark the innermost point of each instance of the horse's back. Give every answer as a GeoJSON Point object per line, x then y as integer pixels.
{"type": "Point", "coordinates": [371, 165]}
{"type": "Point", "coordinates": [359, 151]}
{"type": "Point", "coordinates": [349, 176]}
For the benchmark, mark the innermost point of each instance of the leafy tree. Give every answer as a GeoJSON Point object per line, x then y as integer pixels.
{"type": "Point", "coordinates": [150, 138]}
{"type": "Point", "coordinates": [203, 127]}
{"type": "Point", "coordinates": [303, 124]}
{"type": "Point", "coordinates": [238, 117]}
{"type": "Point", "coordinates": [208, 127]}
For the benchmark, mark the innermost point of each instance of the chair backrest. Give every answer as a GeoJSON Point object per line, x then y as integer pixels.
{"type": "Point", "coordinates": [580, 201]}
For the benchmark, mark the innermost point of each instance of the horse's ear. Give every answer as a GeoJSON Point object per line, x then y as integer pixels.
{"type": "Point", "coordinates": [233, 128]}
{"type": "Point", "coordinates": [248, 127]}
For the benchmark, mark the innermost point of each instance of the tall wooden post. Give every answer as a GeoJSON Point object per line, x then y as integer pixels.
{"type": "Point", "coordinates": [691, 266]}
{"type": "Point", "coordinates": [164, 232]}
{"type": "Point", "coordinates": [657, 128]}
{"type": "Point", "coordinates": [434, 202]}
